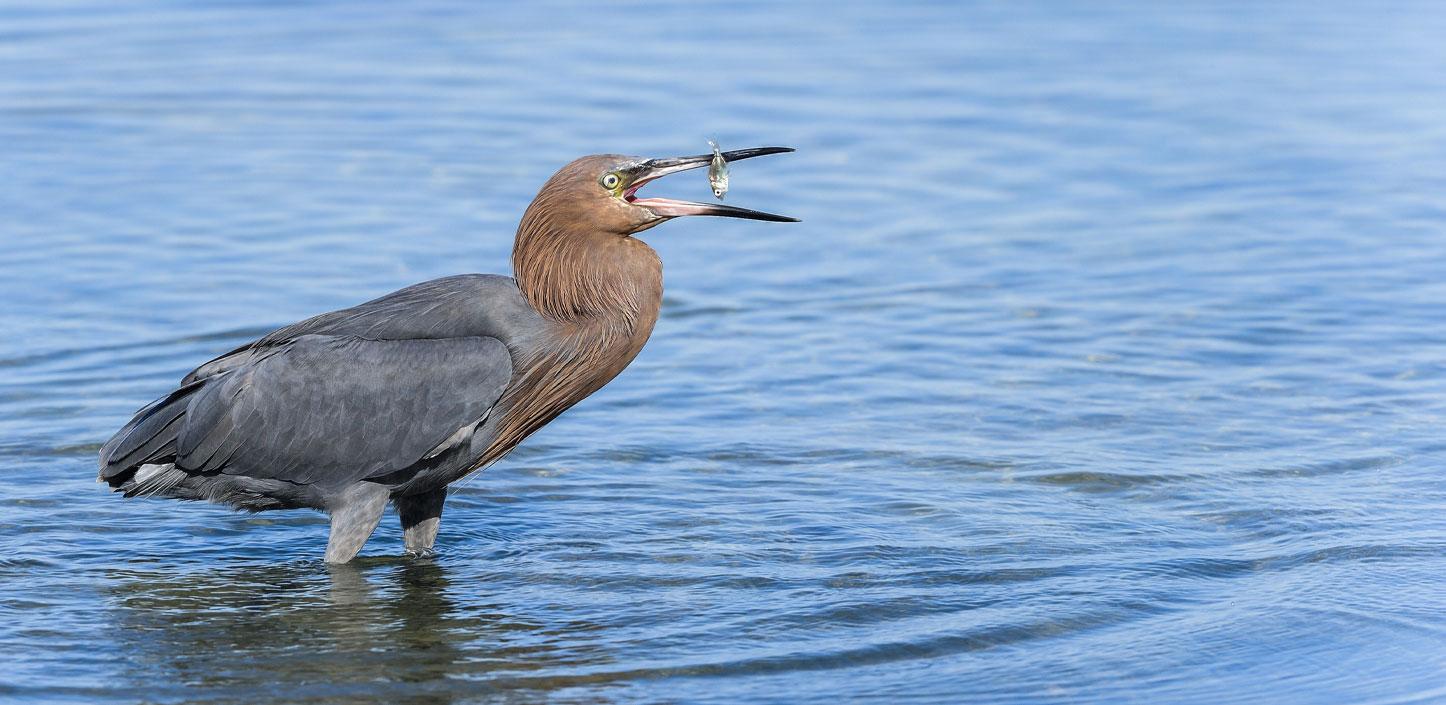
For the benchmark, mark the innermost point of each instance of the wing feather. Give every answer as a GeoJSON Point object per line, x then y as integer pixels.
{"type": "Point", "coordinates": [335, 409]}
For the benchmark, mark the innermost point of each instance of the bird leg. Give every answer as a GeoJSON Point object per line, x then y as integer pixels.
{"type": "Point", "coordinates": [354, 516]}
{"type": "Point", "coordinates": [421, 516]}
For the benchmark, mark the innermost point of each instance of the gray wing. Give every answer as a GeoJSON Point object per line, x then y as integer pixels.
{"type": "Point", "coordinates": [440, 308]}
{"type": "Point", "coordinates": [328, 410]}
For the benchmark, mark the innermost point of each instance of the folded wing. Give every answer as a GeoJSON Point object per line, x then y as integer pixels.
{"type": "Point", "coordinates": [323, 410]}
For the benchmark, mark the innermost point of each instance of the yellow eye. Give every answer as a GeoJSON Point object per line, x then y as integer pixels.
{"type": "Point", "coordinates": [611, 181]}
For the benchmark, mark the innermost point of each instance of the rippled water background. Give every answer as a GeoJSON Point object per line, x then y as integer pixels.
{"type": "Point", "coordinates": [1108, 364]}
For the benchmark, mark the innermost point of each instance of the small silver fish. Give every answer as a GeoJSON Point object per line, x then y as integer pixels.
{"type": "Point", "coordinates": [718, 172]}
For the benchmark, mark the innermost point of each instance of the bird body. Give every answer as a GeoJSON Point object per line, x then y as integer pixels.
{"type": "Point", "coordinates": [396, 398]}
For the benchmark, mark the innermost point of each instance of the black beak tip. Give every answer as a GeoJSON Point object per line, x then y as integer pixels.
{"type": "Point", "coordinates": [760, 152]}
{"type": "Point", "coordinates": [738, 154]}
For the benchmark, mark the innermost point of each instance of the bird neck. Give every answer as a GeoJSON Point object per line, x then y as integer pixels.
{"type": "Point", "coordinates": [602, 294]}
{"type": "Point", "coordinates": [587, 279]}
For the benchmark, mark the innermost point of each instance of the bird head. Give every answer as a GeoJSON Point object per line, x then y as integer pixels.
{"type": "Point", "coordinates": [599, 193]}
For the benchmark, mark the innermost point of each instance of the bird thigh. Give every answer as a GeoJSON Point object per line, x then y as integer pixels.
{"type": "Point", "coordinates": [354, 516]}
{"type": "Point", "coordinates": [421, 516]}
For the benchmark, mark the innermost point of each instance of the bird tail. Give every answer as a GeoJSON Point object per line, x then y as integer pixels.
{"type": "Point", "coordinates": [138, 459]}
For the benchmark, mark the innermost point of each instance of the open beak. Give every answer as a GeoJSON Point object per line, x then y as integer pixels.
{"type": "Point", "coordinates": [669, 208]}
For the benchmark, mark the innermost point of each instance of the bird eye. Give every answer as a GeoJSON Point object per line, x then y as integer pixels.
{"type": "Point", "coordinates": [611, 181]}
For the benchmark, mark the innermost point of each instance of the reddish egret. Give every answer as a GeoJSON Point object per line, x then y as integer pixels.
{"type": "Point", "coordinates": [398, 397]}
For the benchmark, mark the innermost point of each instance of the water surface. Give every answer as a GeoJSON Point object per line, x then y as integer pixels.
{"type": "Point", "coordinates": [1108, 364]}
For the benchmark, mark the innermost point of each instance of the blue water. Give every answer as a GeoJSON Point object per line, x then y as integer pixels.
{"type": "Point", "coordinates": [1108, 363]}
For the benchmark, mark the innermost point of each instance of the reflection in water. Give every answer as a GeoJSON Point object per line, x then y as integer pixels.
{"type": "Point", "coordinates": [302, 630]}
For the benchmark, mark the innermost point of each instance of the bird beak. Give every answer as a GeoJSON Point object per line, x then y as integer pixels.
{"type": "Point", "coordinates": [668, 208]}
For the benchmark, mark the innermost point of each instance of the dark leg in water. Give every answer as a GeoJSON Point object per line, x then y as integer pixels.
{"type": "Point", "coordinates": [421, 516]}
{"type": "Point", "coordinates": [354, 516]}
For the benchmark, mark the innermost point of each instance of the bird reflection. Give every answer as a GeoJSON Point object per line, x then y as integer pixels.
{"type": "Point", "coordinates": [389, 628]}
